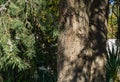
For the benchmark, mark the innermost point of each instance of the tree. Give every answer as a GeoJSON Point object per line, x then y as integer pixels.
{"type": "Point", "coordinates": [82, 41]}
{"type": "Point", "coordinates": [28, 31]}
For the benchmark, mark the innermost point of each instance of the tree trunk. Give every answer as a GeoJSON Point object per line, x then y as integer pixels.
{"type": "Point", "coordinates": [82, 40]}
{"type": "Point", "coordinates": [97, 37]}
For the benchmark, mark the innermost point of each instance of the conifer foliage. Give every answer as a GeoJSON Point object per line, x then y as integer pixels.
{"type": "Point", "coordinates": [28, 35]}
{"type": "Point", "coordinates": [16, 42]}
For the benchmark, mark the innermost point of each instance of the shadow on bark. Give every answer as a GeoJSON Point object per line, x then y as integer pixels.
{"type": "Point", "coordinates": [89, 64]}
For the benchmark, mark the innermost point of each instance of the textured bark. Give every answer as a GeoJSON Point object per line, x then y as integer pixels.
{"type": "Point", "coordinates": [97, 38]}
{"type": "Point", "coordinates": [81, 44]}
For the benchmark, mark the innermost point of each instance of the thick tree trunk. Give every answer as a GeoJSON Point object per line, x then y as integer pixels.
{"type": "Point", "coordinates": [81, 44]}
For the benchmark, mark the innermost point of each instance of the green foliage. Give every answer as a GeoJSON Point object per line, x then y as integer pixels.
{"type": "Point", "coordinates": [28, 31]}
{"type": "Point", "coordinates": [2, 1]}
{"type": "Point", "coordinates": [113, 64]}
{"type": "Point", "coordinates": [114, 20]}
{"type": "Point", "coordinates": [13, 33]}
{"type": "Point", "coordinates": [112, 26]}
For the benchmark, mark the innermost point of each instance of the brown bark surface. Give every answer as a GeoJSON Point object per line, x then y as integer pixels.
{"type": "Point", "coordinates": [82, 41]}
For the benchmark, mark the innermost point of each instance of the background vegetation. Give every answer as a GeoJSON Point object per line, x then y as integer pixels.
{"type": "Point", "coordinates": [28, 31]}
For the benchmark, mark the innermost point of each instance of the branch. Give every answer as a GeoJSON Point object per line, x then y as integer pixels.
{"type": "Point", "coordinates": [4, 7]}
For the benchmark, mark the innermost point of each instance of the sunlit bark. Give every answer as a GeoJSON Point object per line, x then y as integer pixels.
{"type": "Point", "coordinates": [81, 44]}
